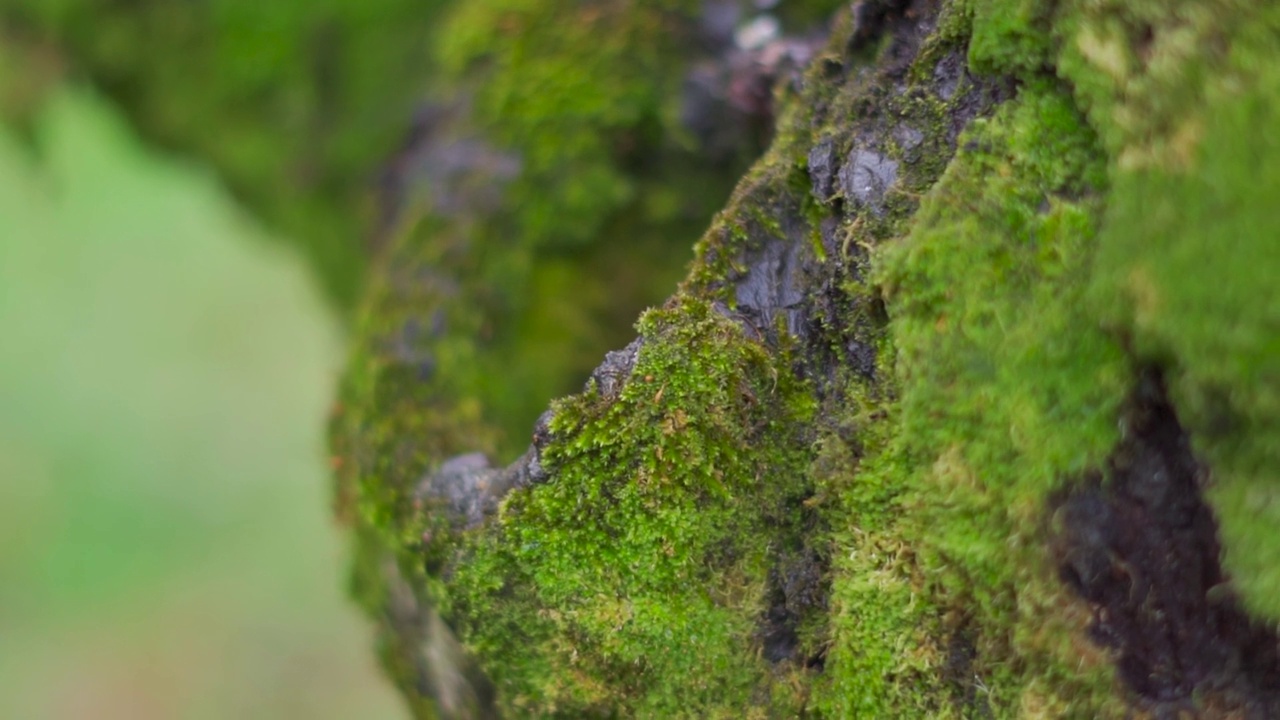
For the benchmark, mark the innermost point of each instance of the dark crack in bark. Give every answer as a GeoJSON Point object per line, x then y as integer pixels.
{"type": "Point", "coordinates": [1140, 545]}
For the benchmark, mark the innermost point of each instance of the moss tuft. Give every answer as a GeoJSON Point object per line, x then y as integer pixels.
{"type": "Point", "coordinates": [1006, 386]}
{"type": "Point", "coordinates": [1187, 260]}
{"type": "Point", "coordinates": [1010, 37]}
{"type": "Point", "coordinates": [634, 582]}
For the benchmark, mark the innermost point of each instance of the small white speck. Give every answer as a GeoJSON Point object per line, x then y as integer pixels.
{"type": "Point", "coordinates": [757, 33]}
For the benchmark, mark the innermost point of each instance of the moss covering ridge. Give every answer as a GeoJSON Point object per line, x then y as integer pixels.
{"type": "Point", "coordinates": [1019, 302]}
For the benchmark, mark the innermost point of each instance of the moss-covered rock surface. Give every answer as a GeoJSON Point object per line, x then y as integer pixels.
{"type": "Point", "coordinates": [967, 405]}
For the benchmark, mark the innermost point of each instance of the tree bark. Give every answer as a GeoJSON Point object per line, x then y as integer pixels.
{"type": "Point", "coordinates": [966, 406]}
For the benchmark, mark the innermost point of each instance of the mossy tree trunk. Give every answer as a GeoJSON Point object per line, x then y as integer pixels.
{"type": "Point", "coordinates": [967, 405]}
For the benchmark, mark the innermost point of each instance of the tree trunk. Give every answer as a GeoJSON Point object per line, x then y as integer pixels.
{"type": "Point", "coordinates": [968, 404]}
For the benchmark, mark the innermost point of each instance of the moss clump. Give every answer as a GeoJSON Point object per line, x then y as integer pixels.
{"type": "Point", "coordinates": [1014, 302]}
{"type": "Point", "coordinates": [1005, 386]}
{"type": "Point", "coordinates": [634, 582]}
{"type": "Point", "coordinates": [586, 105]}
{"type": "Point", "coordinates": [610, 190]}
{"type": "Point", "coordinates": [1009, 36]}
{"type": "Point", "coordinates": [1182, 92]}
{"type": "Point", "coordinates": [583, 93]}
{"type": "Point", "coordinates": [454, 298]}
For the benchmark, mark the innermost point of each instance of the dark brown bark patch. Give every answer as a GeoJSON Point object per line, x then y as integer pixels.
{"type": "Point", "coordinates": [1139, 543]}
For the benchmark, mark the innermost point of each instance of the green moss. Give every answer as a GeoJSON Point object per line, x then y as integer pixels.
{"type": "Point", "coordinates": [470, 324]}
{"type": "Point", "coordinates": [885, 654]}
{"type": "Point", "coordinates": [404, 407]}
{"type": "Point", "coordinates": [1006, 386]}
{"type": "Point", "coordinates": [803, 16]}
{"type": "Point", "coordinates": [1009, 302]}
{"type": "Point", "coordinates": [574, 90]}
{"type": "Point", "coordinates": [299, 106]}
{"type": "Point", "coordinates": [1187, 260]}
{"type": "Point", "coordinates": [634, 582]}
{"type": "Point", "coordinates": [556, 273]}
{"type": "Point", "coordinates": [1113, 214]}
{"type": "Point", "coordinates": [294, 104]}
{"type": "Point", "coordinates": [609, 192]}
{"type": "Point", "coordinates": [1009, 36]}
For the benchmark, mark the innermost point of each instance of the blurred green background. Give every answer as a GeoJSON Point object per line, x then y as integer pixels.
{"type": "Point", "coordinates": [165, 543]}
